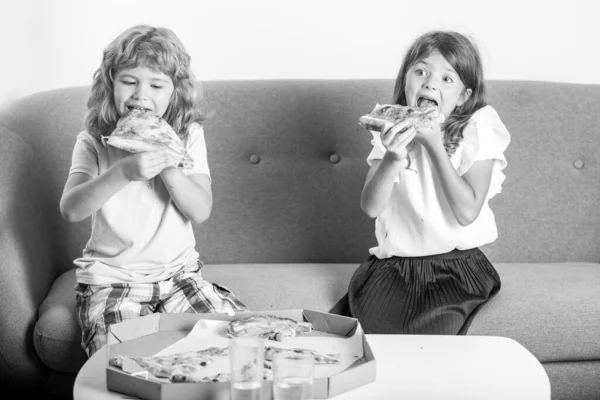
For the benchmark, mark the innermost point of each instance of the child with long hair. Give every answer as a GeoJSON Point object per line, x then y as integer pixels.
{"type": "Point", "coordinates": [427, 274]}
{"type": "Point", "coordinates": [141, 256]}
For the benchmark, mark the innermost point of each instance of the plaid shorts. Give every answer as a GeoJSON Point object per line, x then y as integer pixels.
{"type": "Point", "coordinates": [100, 306]}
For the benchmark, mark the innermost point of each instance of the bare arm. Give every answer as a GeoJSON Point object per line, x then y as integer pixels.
{"type": "Point", "coordinates": [465, 194]}
{"type": "Point", "coordinates": [84, 195]}
{"type": "Point", "coordinates": [383, 173]}
{"type": "Point", "coordinates": [191, 193]}
{"type": "Point", "coordinates": [378, 185]}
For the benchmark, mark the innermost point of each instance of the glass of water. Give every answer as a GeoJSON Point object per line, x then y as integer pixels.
{"type": "Point", "coordinates": [246, 358]}
{"type": "Point", "coordinates": [293, 375]}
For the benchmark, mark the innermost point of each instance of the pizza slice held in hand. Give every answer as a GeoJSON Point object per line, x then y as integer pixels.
{"type": "Point", "coordinates": [393, 113]}
{"type": "Point", "coordinates": [142, 130]}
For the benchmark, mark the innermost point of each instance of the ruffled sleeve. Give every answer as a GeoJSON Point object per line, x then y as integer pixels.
{"type": "Point", "coordinates": [485, 138]}
{"type": "Point", "coordinates": [378, 149]}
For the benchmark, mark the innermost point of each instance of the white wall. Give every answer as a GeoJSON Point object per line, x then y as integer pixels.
{"type": "Point", "coordinates": [48, 44]}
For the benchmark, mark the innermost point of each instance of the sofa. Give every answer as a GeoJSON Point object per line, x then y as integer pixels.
{"type": "Point", "coordinates": [287, 160]}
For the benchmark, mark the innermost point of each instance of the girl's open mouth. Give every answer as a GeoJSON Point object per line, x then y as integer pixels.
{"type": "Point", "coordinates": [426, 102]}
{"type": "Point", "coordinates": [138, 108]}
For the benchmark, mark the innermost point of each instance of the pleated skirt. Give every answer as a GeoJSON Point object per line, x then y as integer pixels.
{"type": "Point", "coordinates": [439, 294]}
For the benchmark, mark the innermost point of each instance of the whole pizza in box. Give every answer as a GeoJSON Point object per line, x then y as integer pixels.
{"type": "Point", "coordinates": [192, 365]}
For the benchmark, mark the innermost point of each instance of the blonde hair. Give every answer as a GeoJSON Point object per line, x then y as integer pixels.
{"type": "Point", "coordinates": [155, 48]}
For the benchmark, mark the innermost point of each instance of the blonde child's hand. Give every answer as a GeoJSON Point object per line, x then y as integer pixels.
{"type": "Point", "coordinates": [395, 138]}
{"type": "Point", "coordinates": [144, 166]}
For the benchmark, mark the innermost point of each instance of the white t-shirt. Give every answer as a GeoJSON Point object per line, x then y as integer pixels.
{"type": "Point", "coordinates": [138, 235]}
{"type": "Point", "coordinates": [418, 220]}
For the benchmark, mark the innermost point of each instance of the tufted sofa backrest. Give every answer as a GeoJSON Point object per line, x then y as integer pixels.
{"type": "Point", "coordinates": [287, 159]}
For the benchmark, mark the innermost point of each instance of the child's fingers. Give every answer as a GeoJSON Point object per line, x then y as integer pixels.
{"type": "Point", "coordinates": [155, 156]}
{"type": "Point", "coordinates": [384, 134]}
{"type": "Point", "coordinates": [391, 130]}
{"type": "Point", "coordinates": [402, 139]}
{"type": "Point", "coordinates": [401, 125]}
{"type": "Point", "coordinates": [157, 159]}
{"type": "Point", "coordinates": [151, 163]}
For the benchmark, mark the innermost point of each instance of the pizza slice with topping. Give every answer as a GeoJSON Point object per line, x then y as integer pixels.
{"type": "Point", "coordinates": [178, 367]}
{"type": "Point", "coordinates": [142, 130]}
{"type": "Point", "coordinates": [267, 326]}
{"type": "Point", "coordinates": [319, 358]}
{"type": "Point", "coordinates": [393, 113]}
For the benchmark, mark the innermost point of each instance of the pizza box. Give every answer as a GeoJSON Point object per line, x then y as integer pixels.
{"type": "Point", "coordinates": [150, 334]}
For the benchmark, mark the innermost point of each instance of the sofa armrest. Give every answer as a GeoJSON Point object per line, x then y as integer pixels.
{"type": "Point", "coordinates": [26, 259]}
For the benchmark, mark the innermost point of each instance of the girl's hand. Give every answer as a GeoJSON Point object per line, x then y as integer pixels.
{"type": "Point", "coordinates": [396, 137]}
{"type": "Point", "coordinates": [430, 134]}
{"type": "Point", "coordinates": [144, 166]}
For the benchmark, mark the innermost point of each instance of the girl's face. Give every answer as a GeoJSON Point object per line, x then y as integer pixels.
{"type": "Point", "coordinates": [142, 87]}
{"type": "Point", "coordinates": [432, 80]}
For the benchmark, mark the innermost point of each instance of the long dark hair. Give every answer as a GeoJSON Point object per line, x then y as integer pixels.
{"type": "Point", "coordinates": [464, 57]}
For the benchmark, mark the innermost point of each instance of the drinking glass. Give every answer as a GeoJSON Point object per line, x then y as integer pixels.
{"type": "Point", "coordinates": [246, 359]}
{"type": "Point", "coordinates": [293, 375]}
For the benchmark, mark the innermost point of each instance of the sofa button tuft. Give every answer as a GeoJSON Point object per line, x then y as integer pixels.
{"type": "Point", "coordinates": [334, 158]}
{"type": "Point", "coordinates": [254, 159]}
{"type": "Point", "coordinates": [578, 164]}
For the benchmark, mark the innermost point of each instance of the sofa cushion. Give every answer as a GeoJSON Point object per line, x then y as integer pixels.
{"type": "Point", "coordinates": [284, 286]}
{"type": "Point", "coordinates": [57, 336]}
{"type": "Point", "coordinates": [534, 306]}
{"type": "Point", "coordinates": [574, 380]}
{"type": "Point", "coordinates": [553, 309]}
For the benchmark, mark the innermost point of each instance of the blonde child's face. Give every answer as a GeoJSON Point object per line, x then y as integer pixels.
{"type": "Point", "coordinates": [142, 87]}
{"type": "Point", "coordinates": [432, 80]}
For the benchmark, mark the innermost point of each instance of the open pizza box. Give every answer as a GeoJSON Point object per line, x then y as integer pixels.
{"type": "Point", "coordinates": [160, 333]}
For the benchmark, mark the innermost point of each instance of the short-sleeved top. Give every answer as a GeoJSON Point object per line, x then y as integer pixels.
{"type": "Point", "coordinates": [418, 220]}
{"type": "Point", "coordinates": [139, 235]}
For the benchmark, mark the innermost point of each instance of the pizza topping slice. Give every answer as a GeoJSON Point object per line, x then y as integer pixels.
{"type": "Point", "coordinates": [393, 113]}
{"type": "Point", "coordinates": [178, 367]}
{"type": "Point", "coordinates": [142, 130]}
{"type": "Point", "coordinates": [267, 326]}
{"type": "Point", "coordinates": [187, 378]}
{"type": "Point", "coordinates": [319, 358]}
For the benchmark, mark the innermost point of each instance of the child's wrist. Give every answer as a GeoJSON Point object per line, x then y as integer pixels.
{"type": "Point", "coordinates": [434, 146]}
{"type": "Point", "coordinates": [119, 169]}
{"type": "Point", "coordinates": [170, 171]}
{"type": "Point", "coordinates": [395, 161]}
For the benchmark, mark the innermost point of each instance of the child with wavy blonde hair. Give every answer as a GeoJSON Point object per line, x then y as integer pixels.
{"type": "Point", "coordinates": [141, 256]}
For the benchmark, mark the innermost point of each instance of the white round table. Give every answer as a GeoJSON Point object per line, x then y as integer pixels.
{"type": "Point", "coordinates": [424, 367]}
